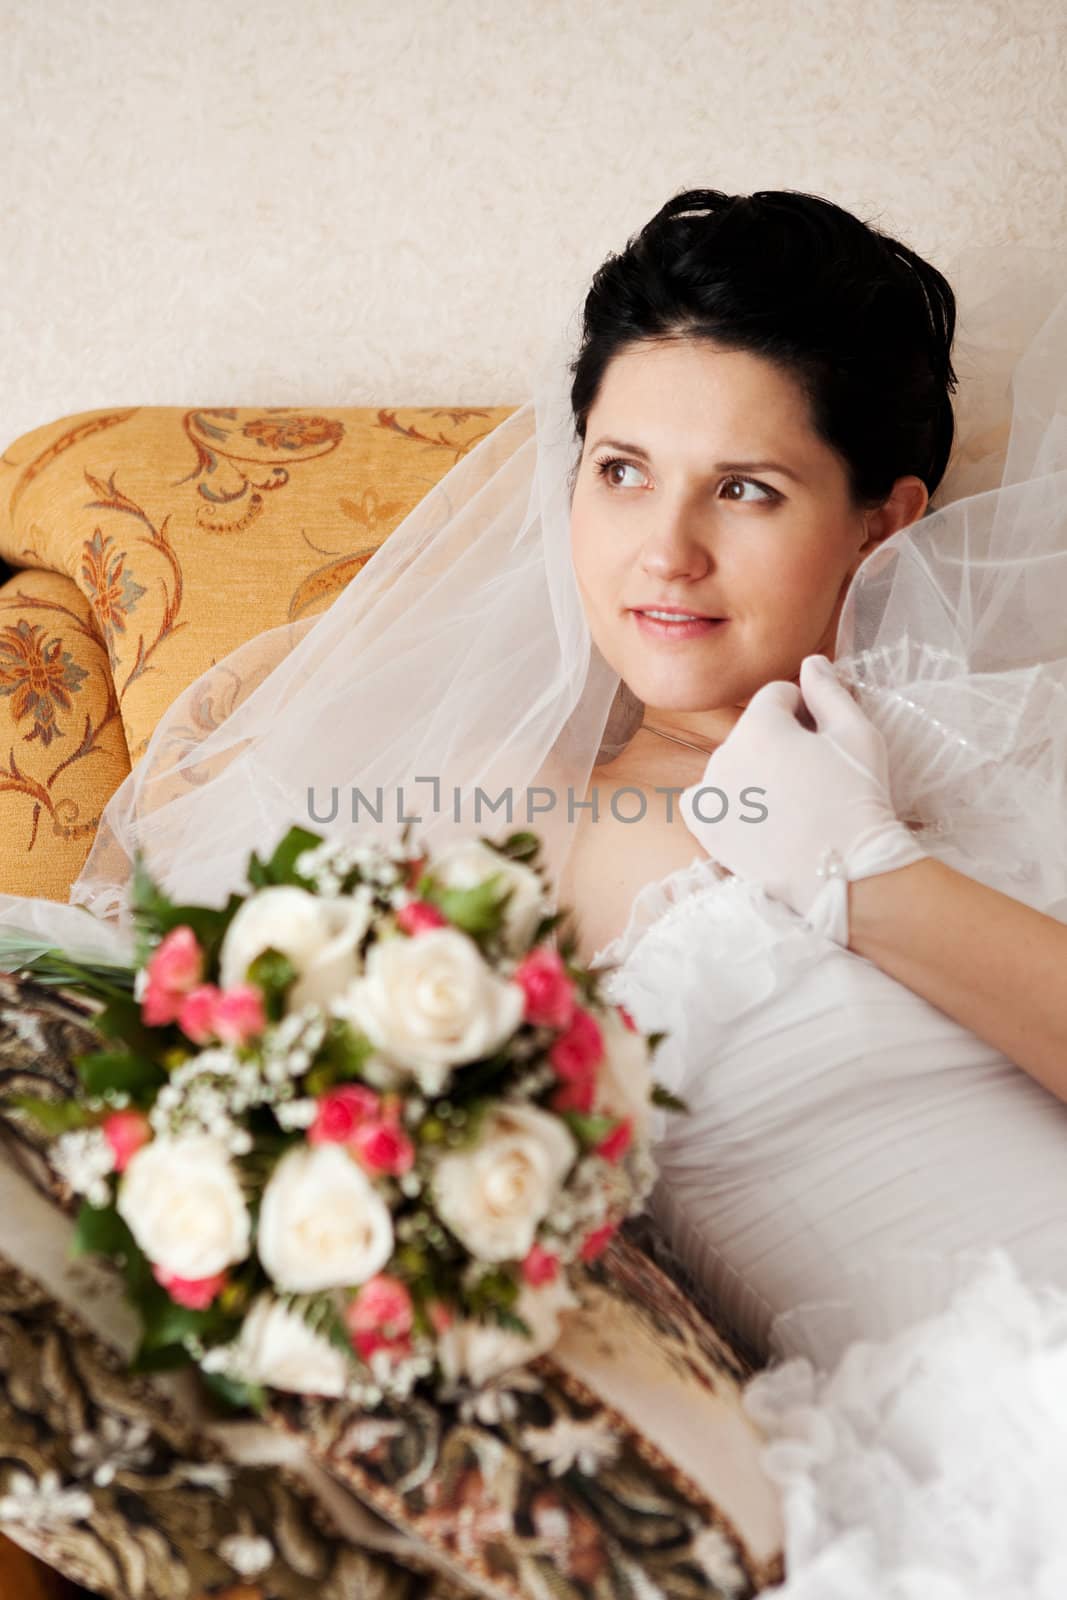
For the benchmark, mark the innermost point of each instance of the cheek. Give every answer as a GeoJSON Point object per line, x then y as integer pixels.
{"type": "Point", "coordinates": [592, 560]}
{"type": "Point", "coordinates": [795, 574]}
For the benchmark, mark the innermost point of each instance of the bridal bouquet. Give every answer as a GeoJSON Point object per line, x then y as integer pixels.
{"type": "Point", "coordinates": [358, 1129]}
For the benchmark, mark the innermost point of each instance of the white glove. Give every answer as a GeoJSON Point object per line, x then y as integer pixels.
{"type": "Point", "coordinates": [830, 818]}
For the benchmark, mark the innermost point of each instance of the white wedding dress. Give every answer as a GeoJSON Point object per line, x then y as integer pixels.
{"type": "Point", "coordinates": [865, 1192]}
{"type": "Point", "coordinates": [869, 1192]}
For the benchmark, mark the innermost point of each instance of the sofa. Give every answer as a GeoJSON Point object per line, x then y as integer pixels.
{"type": "Point", "coordinates": [142, 545]}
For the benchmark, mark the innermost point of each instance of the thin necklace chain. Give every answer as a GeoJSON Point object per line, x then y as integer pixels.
{"type": "Point", "coordinates": [677, 738]}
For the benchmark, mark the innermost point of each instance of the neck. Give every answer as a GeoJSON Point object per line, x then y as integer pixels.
{"type": "Point", "coordinates": [702, 727]}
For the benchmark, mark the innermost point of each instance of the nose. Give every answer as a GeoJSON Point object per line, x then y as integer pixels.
{"type": "Point", "coordinates": [674, 550]}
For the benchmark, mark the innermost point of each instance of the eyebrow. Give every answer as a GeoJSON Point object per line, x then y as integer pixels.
{"type": "Point", "coordinates": [719, 466]}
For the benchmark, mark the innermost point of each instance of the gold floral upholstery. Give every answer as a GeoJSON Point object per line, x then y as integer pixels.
{"type": "Point", "coordinates": [62, 744]}
{"type": "Point", "coordinates": [146, 543]}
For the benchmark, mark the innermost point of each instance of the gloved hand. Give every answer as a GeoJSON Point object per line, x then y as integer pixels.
{"type": "Point", "coordinates": [830, 817]}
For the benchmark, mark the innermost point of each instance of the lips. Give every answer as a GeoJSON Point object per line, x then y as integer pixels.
{"type": "Point", "coordinates": [686, 627]}
{"type": "Point", "coordinates": [680, 612]}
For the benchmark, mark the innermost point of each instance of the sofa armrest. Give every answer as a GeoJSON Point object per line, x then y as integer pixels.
{"type": "Point", "coordinates": [62, 746]}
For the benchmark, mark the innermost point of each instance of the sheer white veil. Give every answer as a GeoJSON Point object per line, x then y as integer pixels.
{"type": "Point", "coordinates": [455, 678]}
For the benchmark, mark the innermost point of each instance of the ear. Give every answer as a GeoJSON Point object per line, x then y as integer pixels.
{"type": "Point", "coordinates": [905, 503]}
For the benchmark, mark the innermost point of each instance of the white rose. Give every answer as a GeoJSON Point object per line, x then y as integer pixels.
{"type": "Point", "coordinates": [276, 1347]}
{"type": "Point", "coordinates": [494, 1194]}
{"type": "Point", "coordinates": [624, 1076]}
{"type": "Point", "coordinates": [431, 1002]}
{"type": "Point", "coordinates": [322, 1223]}
{"type": "Point", "coordinates": [465, 865]}
{"type": "Point", "coordinates": [319, 934]}
{"type": "Point", "coordinates": [181, 1200]}
{"type": "Point", "coordinates": [478, 1351]}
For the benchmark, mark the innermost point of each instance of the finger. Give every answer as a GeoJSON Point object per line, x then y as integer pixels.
{"type": "Point", "coordinates": [825, 695]}
{"type": "Point", "coordinates": [777, 697]}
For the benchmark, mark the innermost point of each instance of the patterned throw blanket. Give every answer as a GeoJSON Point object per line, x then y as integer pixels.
{"type": "Point", "coordinates": [543, 1486]}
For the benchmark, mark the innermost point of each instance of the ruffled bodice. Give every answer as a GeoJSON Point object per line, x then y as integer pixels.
{"type": "Point", "coordinates": [835, 1116]}
{"type": "Point", "coordinates": [875, 1199]}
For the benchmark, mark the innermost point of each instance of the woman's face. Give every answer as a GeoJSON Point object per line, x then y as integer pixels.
{"type": "Point", "coordinates": [721, 501]}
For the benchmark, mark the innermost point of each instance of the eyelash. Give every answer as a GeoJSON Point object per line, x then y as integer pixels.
{"type": "Point", "coordinates": [604, 465]}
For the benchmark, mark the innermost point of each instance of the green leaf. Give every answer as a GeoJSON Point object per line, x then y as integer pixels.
{"type": "Point", "coordinates": [588, 1127]}
{"type": "Point", "coordinates": [522, 846]}
{"type": "Point", "coordinates": [274, 973]}
{"type": "Point", "coordinates": [281, 865]}
{"type": "Point", "coordinates": [118, 1070]}
{"type": "Point", "coordinates": [655, 1039]}
{"type": "Point", "coordinates": [494, 1291]}
{"type": "Point", "coordinates": [147, 1358]}
{"type": "Point", "coordinates": [567, 938]}
{"type": "Point", "coordinates": [149, 907]}
{"type": "Point", "coordinates": [121, 1019]}
{"type": "Point", "coordinates": [257, 874]}
{"type": "Point", "coordinates": [281, 868]}
{"type": "Point", "coordinates": [478, 910]}
{"type": "Point", "coordinates": [547, 925]}
{"type": "Point", "coordinates": [511, 1320]}
{"type": "Point", "coordinates": [411, 1260]}
{"type": "Point", "coordinates": [167, 1323]}
{"type": "Point", "coordinates": [340, 1058]}
{"type": "Point", "coordinates": [322, 1316]}
{"type": "Point", "coordinates": [155, 915]}
{"type": "Point", "coordinates": [663, 1097]}
{"type": "Point", "coordinates": [100, 1230]}
{"type": "Point", "coordinates": [47, 965]}
{"type": "Point", "coordinates": [233, 1394]}
{"type": "Point", "coordinates": [51, 1116]}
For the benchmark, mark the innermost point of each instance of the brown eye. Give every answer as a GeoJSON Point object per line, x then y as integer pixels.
{"type": "Point", "coordinates": [607, 464]}
{"type": "Point", "coordinates": [767, 493]}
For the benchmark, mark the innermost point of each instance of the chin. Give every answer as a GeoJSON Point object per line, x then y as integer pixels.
{"type": "Point", "coordinates": [675, 696]}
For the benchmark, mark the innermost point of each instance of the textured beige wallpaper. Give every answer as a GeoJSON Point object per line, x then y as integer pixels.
{"type": "Point", "coordinates": [351, 202]}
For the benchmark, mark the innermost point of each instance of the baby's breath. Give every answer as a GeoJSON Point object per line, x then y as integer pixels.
{"type": "Point", "coordinates": [84, 1158]}
{"type": "Point", "coordinates": [293, 1114]}
{"type": "Point", "coordinates": [327, 865]}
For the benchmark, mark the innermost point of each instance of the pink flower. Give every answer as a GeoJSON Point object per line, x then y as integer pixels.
{"type": "Point", "coordinates": [196, 1013]}
{"type": "Point", "coordinates": [196, 1294]}
{"type": "Point", "coordinates": [382, 1146]}
{"type": "Point", "coordinates": [340, 1111]}
{"type": "Point", "coordinates": [539, 1265]}
{"type": "Point", "coordinates": [575, 1054]}
{"type": "Point", "coordinates": [126, 1132]}
{"type": "Point", "coordinates": [596, 1242]}
{"type": "Point", "coordinates": [549, 992]}
{"type": "Point", "coordinates": [441, 1315]}
{"type": "Point", "coordinates": [380, 1316]}
{"type": "Point", "coordinates": [419, 915]}
{"type": "Point", "coordinates": [177, 962]}
{"type": "Point", "coordinates": [615, 1144]}
{"type": "Point", "coordinates": [627, 1019]}
{"type": "Point", "coordinates": [160, 1006]}
{"type": "Point", "coordinates": [239, 1014]}
{"type": "Point", "coordinates": [576, 1096]}
{"type": "Point", "coordinates": [171, 971]}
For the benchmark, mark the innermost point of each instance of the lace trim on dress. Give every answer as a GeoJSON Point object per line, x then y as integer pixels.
{"type": "Point", "coordinates": [654, 901]}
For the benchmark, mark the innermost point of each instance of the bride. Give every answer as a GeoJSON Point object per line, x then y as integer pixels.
{"type": "Point", "coordinates": [816, 832]}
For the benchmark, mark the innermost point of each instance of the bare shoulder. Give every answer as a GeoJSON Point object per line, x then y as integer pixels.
{"type": "Point", "coordinates": [618, 848]}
